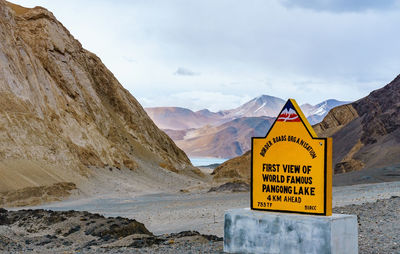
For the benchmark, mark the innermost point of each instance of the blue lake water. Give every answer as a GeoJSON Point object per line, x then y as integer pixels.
{"type": "Point", "coordinates": [205, 161]}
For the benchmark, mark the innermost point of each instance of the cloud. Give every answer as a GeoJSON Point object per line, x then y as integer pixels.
{"type": "Point", "coordinates": [308, 49]}
{"type": "Point", "coordinates": [342, 5]}
{"type": "Point", "coordinates": [185, 72]}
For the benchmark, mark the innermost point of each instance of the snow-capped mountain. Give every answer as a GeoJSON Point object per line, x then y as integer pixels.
{"type": "Point", "coordinates": [181, 118]}
{"type": "Point", "coordinates": [227, 133]}
{"type": "Point", "coordinates": [263, 105]}
{"type": "Point", "coordinates": [316, 113]}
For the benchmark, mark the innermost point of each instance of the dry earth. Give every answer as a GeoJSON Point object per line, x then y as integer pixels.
{"type": "Point", "coordinates": [376, 206]}
{"type": "Point", "coordinates": [202, 211]}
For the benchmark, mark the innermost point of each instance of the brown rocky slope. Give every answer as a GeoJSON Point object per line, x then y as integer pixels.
{"type": "Point", "coordinates": [366, 135]}
{"type": "Point", "coordinates": [64, 114]}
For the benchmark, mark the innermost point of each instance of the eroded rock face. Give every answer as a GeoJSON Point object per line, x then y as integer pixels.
{"type": "Point", "coordinates": [366, 132]}
{"type": "Point", "coordinates": [335, 120]}
{"type": "Point", "coordinates": [63, 111]}
{"type": "Point", "coordinates": [380, 111]}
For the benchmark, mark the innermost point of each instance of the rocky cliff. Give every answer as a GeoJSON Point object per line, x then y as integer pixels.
{"type": "Point", "coordinates": [366, 133]}
{"type": "Point", "coordinates": [64, 114]}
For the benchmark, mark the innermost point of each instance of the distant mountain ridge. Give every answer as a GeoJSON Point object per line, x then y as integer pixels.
{"type": "Point", "coordinates": [177, 118]}
{"type": "Point", "coordinates": [226, 133]}
{"type": "Point", "coordinates": [225, 141]}
{"type": "Point", "coordinates": [263, 105]}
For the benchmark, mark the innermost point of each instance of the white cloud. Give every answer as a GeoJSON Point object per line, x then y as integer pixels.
{"type": "Point", "coordinates": [185, 72]}
{"type": "Point", "coordinates": [342, 5]}
{"type": "Point", "coordinates": [333, 49]}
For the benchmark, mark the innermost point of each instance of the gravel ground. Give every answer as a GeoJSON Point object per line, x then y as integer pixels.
{"type": "Point", "coordinates": [42, 231]}
{"type": "Point", "coordinates": [203, 212]}
{"type": "Point", "coordinates": [32, 231]}
{"type": "Point", "coordinates": [378, 225]}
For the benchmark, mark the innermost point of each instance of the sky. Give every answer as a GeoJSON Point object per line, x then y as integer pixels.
{"type": "Point", "coordinates": [218, 54]}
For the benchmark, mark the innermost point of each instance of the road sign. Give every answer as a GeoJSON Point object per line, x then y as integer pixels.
{"type": "Point", "coordinates": [291, 168]}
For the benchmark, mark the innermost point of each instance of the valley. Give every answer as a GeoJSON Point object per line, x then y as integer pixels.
{"type": "Point", "coordinates": [84, 167]}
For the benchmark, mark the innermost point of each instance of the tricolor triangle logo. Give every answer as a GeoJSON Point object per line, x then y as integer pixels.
{"type": "Point", "coordinates": [288, 113]}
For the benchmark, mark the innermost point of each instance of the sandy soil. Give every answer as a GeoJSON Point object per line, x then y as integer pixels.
{"type": "Point", "coordinates": [201, 211]}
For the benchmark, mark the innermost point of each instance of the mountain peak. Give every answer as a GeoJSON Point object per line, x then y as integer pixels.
{"type": "Point", "coordinates": [204, 111]}
{"type": "Point", "coordinates": [265, 98]}
{"type": "Point", "coordinates": [264, 105]}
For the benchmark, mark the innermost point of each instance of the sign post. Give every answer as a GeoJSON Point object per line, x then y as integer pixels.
{"type": "Point", "coordinates": [291, 168]}
{"type": "Point", "coordinates": [291, 195]}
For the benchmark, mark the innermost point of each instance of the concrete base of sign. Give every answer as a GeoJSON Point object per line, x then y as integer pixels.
{"type": "Point", "coordinates": [249, 231]}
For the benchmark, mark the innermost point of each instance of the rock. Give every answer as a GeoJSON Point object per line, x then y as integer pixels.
{"type": "Point", "coordinates": [29, 229]}
{"type": "Point", "coordinates": [118, 231]}
{"type": "Point", "coordinates": [72, 230]}
{"type": "Point", "coordinates": [335, 119]}
{"type": "Point", "coordinates": [348, 166]}
{"type": "Point", "coordinates": [3, 217]}
{"type": "Point", "coordinates": [233, 169]}
{"type": "Point", "coordinates": [236, 186]}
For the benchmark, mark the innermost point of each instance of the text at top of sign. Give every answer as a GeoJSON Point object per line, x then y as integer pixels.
{"type": "Point", "coordinates": [291, 167]}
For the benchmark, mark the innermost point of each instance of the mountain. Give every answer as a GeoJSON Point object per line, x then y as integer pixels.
{"type": "Point", "coordinates": [237, 168]}
{"type": "Point", "coordinates": [366, 136]}
{"type": "Point", "coordinates": [176, 118]}
{"type": "Point", "coordinates": [366, 133]}
{"type": "Point", "coordinates": [67, 125]}
{"type": "Point", "coordinates": [224, 141]}
{"type": "Point", "coordinates": [209, 114]}
{"type": "Point", "coordinates": [198, 133]}
{"type": "Point", "coordinates": [263, 105]}
{"type": "Point", "coordinates": [316, 113]}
